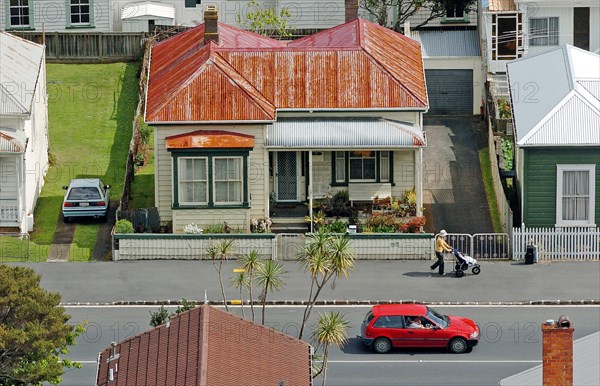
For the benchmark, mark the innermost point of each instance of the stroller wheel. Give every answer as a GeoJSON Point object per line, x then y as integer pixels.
{"type": "Point", "coordinates": [476, 270]}
{"type": "Point", "coordinates": [457, 267]}
{"type": "Point", "coordinates": [464, 267]}
{"type": "Point", "coordinates": [459, 273]}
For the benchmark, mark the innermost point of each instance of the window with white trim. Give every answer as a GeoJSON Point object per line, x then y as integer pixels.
{"type": "Point", "coordinates": [193, 180]}
{"type": "Point", "coordinates": [228, 180]}
{"type": "Point", "coordinates": [19, 13]}
{"type": "Point", "coordinates": [543, 31]}
{"type": "Point", "coordinates": [455, 12]}
{"type": "Point", "coordinates": [80, 12]}
{"type": "Point", "coordinates": [362, 165]}
{"type": "Point", "coordinates": [340, 166]}
{"type": "Point", "coordinates": [575, 195]}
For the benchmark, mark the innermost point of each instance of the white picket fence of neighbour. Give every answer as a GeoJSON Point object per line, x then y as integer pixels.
{"type": "Point", "coordinates": [558, 243]}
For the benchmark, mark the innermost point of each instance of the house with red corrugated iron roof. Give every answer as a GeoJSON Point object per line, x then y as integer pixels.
{"type": "Point", "coordinates": [245, 124]}
{"type": "Point", "coordinates": [207, 346]}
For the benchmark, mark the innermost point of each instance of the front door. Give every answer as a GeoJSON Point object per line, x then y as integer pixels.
{"type": "Point", "coordinates": [287, 172]}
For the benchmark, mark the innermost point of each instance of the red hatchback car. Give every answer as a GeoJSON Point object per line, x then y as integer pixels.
{"type": "Point", "coordinates": [416, 325]}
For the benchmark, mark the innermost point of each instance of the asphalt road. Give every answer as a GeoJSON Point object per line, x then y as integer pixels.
{"type": "Point", "coordinates": [510, 343]}
{"type": "Point", "coordinates": [370, 280]}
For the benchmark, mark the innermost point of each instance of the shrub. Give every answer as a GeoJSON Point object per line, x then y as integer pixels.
{"type": "Point", "coordinates": [414, 225]}
{"type": "Point", "coordinates": [335, 227]}
{"type": "Point", "coordinates": [123, 226]}
{"type": "Point", "coordinates": [261, 225]}
{"type": "Point", "coordinates": [381, 223]}
{"type": "Point", "coordinates": [507, 153]}
{"type": "Point", "coordinates": [503, 108]}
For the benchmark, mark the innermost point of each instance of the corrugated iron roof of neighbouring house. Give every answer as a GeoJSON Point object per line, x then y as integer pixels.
{"type": "Point", "coordinates": [448, 43]}
{"type": "Point", "coordinates": [20, 65]}
{"type": "Point", "coordinates": [247, 77]}
{"type": "Point", "coordinates": [555, 98]}
{"type": "Point", "coordinates": [343, 133]}
{"type": "Point", "coordinates": [12, 141]}
{"type": "Point", "coordinates": [147, 10]}
{"type": "Point", "coordinates": [585, 365]}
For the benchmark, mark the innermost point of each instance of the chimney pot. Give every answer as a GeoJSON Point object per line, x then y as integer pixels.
{"type": "Point", "coordinates": [563, 322]}
{"type": "Point", "coordinates": [211, 27]}
{"type": "Point", "coordinates": [351, 10]}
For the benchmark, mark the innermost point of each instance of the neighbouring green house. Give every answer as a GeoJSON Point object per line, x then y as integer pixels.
{"type": "Point", "coordinates": [555, 98]}
{"type": "Point", "coordinates": [244, 122]}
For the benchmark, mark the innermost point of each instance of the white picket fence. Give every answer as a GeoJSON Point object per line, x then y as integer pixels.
{"type": "Point", "coordinates": [557, 243]}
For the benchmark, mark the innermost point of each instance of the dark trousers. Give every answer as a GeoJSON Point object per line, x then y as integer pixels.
{"type": "Point", "coordinates": [439, 262]}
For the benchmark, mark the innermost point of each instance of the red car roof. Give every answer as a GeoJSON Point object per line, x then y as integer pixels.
{"type": "Point", "coordinates": [399, 309]}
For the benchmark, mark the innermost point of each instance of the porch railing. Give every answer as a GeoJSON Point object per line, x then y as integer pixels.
{"type": "Point", "coordinates": [9, 211]}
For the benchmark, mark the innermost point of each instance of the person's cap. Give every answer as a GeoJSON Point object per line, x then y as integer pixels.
{"type": "Point", "coordinates": [443, 233]}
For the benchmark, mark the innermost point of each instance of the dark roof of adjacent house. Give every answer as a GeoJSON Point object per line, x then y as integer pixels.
{"type": "Point", "coordinates": [206, 346]}
{"type": "Point", "coordinates": [248, 77]}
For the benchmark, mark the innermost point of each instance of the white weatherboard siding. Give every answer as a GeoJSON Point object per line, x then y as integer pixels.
{"type": "Point", "coordinates": [258, 167]}
{"type": "Point", "coordinates": [53, 16]}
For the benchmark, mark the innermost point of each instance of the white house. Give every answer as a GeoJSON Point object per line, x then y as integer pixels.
{"type": "Point", "coordinates": [55, 16]}
{"type": "Point", "coordinates": [23, 130]}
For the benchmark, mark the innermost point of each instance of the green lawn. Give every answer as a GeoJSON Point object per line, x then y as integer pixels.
{"type": "Point", "coordinates": [143, 184]}
{"type": "Point", "coordinates": [91, 109]}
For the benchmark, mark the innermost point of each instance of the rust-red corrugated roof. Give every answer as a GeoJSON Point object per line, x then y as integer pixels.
{"type": "Point", "coordinates": [247, 77]}
{"type": "Point", "coordinates": [204, 347]}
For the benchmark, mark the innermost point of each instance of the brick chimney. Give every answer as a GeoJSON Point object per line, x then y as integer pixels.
{"type": "Point", "coordinates": [557, 352]}
{"type": "Point", "coordinates": [211, 28]}
{"type": "Point", "coordinates": [351, 10]}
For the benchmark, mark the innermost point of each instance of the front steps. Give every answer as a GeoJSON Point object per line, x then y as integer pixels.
{"type": "Point", "coordinates": [289, 225]}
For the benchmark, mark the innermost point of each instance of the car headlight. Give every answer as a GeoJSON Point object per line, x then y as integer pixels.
{"type": "Point", "coordinates": [474, 335]}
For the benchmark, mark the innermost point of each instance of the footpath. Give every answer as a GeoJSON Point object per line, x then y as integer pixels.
{"type": "Point", "coordinates": [153, 282]}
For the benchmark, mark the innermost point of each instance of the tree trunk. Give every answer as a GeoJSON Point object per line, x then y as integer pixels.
{"type": "Point", "coordinates": [251, 298]}
{"type": "Point", "coordinates": [325, 353]}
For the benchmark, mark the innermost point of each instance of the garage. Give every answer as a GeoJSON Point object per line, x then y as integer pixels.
{"type": "Point", "coordinates": [450, 91]}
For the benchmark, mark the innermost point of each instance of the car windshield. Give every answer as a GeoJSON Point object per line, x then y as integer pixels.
{"type": "Point", "coordinates": [84, 193]}
{"type": "Point", "coordinates": [439, 319]}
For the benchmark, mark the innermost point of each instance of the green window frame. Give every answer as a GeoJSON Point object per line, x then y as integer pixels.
{"type": "Point", "coordinates": [343, 162]}
{"type": "Point", "coordinates": [224, 174]}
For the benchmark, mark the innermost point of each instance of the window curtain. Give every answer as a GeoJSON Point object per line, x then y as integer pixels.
{"type": "Point", "coordinates": [575, 195]}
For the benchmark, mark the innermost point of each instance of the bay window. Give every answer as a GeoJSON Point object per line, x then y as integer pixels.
{"type": "Point", "coordinates": [208, 179]}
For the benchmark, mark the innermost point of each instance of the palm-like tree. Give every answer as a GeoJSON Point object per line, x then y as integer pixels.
{"type": "Point", "coordinates": [251, 262]}
{"type": "Point", "coordinates": [218, 253]}
{"type": "Point", "coordinates": [324, 257]}
{"type": "Point", "coordinates": [241, 281]}
{"type": "Point", "coordinates": [268, 276]}
{"type": "Point", "coordinates": [331, 331]}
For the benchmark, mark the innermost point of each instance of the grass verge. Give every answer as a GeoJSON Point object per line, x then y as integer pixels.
{"type": "Point", "coordinates": [486, 173]}
{"type": "Point", "coordinates": [90, 110]}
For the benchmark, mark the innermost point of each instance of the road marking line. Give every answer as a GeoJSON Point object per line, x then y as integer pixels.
{"type": "Point", "coordinates": [434, 361]}
{"type": "Point", "coordinates": [339, 306]}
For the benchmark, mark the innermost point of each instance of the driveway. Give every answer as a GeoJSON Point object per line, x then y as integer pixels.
{"type": "Point", "coordinates": [454, 195]}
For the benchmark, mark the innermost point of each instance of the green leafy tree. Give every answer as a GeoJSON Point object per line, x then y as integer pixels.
{"type": "Point", "coordinates": [268, 277]}
{"type": "Point", "coordinates": [325, 257]}
{"type": "Point", "coordinates": [265, 21]}
{"type": "Point", "coordinates": [251, 262]}
{"type": "Point", "coordinates": [393, 13]}
{"type": "Point", "coordinates": [331, 331]}
{"type": "Point", "coordinates": [218, 253]}
{"type": "Point", "coordinates": [33, 330]}
{"type": "Point", "coordinates": [159, 317]}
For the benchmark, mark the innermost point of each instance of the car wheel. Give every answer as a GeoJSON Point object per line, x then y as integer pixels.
{"type": "Point", "coordinates": [382, 345]}
{"type": "Point", "coordinates": [458, 345]}
{"type": "Point", "coordinates": [476, 270]}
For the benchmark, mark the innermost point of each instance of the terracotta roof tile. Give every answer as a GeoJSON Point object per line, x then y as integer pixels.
{"type": "Point", "coordinates": [207, 346]}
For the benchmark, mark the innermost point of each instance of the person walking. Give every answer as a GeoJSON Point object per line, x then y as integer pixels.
{"type": "Point", "coordinates": [441, 246]}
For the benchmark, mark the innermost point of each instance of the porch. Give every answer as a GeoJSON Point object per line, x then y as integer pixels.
{"type": "Point", "coordinates": [9, 213]}
{"type": "Point", "coordinates": [313, 159]}
{"type": "Point", "coordinates": [12, 147]}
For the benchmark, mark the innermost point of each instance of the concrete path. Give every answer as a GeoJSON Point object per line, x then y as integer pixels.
{"type": "Point", "coordinates": [454, 194]}
{"type": "Point", "coordinates": [371, 280]}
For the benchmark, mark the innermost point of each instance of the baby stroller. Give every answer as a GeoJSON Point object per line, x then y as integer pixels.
{"type": "Point", "coordinates": [463, 263]}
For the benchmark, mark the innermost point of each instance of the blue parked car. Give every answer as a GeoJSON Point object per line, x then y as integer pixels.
{"type": "Point", "coordinates": [86, 197]}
